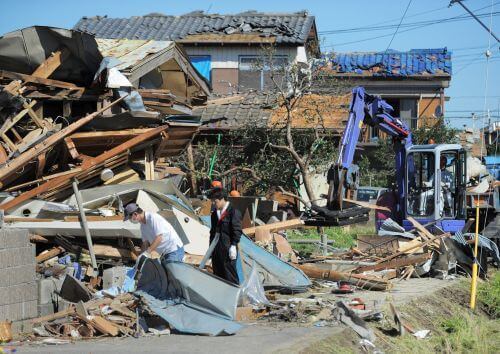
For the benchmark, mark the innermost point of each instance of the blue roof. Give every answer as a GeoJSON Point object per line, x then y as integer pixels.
{"type": "Point", "coordinates": [391, 63]}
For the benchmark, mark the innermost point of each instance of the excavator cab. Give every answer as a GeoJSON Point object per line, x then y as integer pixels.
{"type": "Point", "coordinates": [435, 185]}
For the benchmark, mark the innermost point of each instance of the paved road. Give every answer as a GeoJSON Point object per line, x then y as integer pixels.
{"type": "Point", "coordinates": [251, 339]}
{"type": "Point", "coordinates": [254, 338]}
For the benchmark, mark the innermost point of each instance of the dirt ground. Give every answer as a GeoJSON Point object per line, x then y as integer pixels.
{"type": "Point", "coordinates": [260, 336]}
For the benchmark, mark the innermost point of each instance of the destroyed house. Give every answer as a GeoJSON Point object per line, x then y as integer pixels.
{"type": "Point", "coordinates": [71, 106]}
{"type": "Point", "coordinates": [413, 82]}
{"type": "Point", "coordinates": [225, 49]}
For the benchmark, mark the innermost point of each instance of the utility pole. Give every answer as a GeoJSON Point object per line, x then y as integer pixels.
{"type": "Point", "coordinates": [476, 18]}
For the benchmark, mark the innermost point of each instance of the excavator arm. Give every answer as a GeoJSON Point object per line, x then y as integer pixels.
{"type": "Point", "coordinates": [343, 176]}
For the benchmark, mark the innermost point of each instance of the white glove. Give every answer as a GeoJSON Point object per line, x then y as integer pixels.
{"type": "Point", "coordinates": [232, 252]}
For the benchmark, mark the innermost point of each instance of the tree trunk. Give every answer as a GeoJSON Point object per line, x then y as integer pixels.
{"type": "Point", "coordinates": [191, 176]}
{"type": "Point", "coordinates": [306, 178]}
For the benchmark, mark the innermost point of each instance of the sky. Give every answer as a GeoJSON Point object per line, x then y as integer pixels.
{"type": "Point", "coordinates": [426, 24]}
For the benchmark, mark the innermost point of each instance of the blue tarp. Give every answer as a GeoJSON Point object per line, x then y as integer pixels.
{"type": "Point", "coordinates": [391, 62]}
{"type": "Point", "coordinates": [273, 272]}
{"type": "Point", "coordinates": [190, 300]}
{"type": "Point", "coordinates": [202, 63]}
{"type": "Point", "coordinates": [188, 318]}
{"type": "Point", "coordinates": [493, 165]}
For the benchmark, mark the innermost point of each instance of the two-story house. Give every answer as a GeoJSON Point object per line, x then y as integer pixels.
{"type": "Point", "coordinates": [225, 49]}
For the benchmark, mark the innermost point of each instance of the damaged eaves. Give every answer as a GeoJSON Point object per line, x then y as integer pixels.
{"type": "Point", "coordinates": [139, 57]}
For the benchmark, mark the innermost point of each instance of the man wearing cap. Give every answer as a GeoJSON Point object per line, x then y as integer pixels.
{"type": "Point", "coordinates": [157, 234]}
{"type": "Point", "coordinates": [226, 223]}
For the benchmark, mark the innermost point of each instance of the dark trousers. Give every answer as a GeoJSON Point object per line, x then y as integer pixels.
{"type": "Point", "coordinates": [223, 266]}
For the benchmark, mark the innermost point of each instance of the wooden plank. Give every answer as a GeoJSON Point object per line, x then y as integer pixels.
{"type": "Point", "coordinates": [70, 146]}
{"type": "Point", "coordinates": [425, 233]}
{"type": "Point", "coordinates": [40, 166]}
{"type": "Point", "coordinates": [366, 205]}
{"type": "Point", "coordinates": [43, 179]}
{"type": "Point", "coordinates": [38, 239]}
{"type": "Point", "coordinates": [42, 257]}
{"type": "Point", "coordinates": [9, 142]}
{"type": "Point", "coordinates": [61, 314]}
{"type": "Point", "coordinates": [51, 64]}
{"type": "Point", "coordinates": [149, 163]}
{"type": "Point", "coordinates": [38, 121]}
{"type": "Point", "coordinates": [58, 181]}
{"type": "Point", "coordinates": [288, 224]}
{"type": "Point", "coordinates": [9, 123]}
{"type": "Point", "coordinates": [359, 280]}
{"type": "Point", "coordinates": [93, 218]}
{"type": "Point", "coordinates": [106, 251]}
{"type": "Point", "coordinates": [13, 165]}
{"type": "Point", "coordinates": [38, 80]}
{"type": "Point", "coordinates": [413, 248]}
{"type": "Point", "coordinates": [23, 219]}
{"type": "Point", "coordinates": [101, 324]}
{"type": "Point", "coordinates": [396, 263]}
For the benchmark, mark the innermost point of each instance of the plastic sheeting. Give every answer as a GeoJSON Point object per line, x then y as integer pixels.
{"type": "Point", "coordinates": [202, 64]}
{"type": "Point", "coordinates": [391, 228]}
{"type": "Point", "coordinates": [483, 242]}
{"type": "Point", "coordinates": [253, 291]}
{"type": "Point", "coordinates": [24, 50]}
{"type": "Point", "coordinates": [274, 273]}
{"type": "Point", "coordinates": [190, 300]}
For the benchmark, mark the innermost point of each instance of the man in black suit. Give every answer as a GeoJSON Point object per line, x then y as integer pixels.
{"type": "Point", "coordinates": [226, 222]}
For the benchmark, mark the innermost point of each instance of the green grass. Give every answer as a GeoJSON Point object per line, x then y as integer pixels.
{"type": "Point", "coordinates": [489, 294]}
{"type": "Point", "coordinates": [454, 327]}
{"type": "Point", "coordinates": [343, 237]}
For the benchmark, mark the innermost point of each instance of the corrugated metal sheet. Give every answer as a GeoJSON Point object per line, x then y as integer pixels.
{"type": "Point", "coordinates": [131, 52]}
{"type": "Point", "coordinates": [429, 62]}
{"type": "Point", "coordinates": [290, 28]}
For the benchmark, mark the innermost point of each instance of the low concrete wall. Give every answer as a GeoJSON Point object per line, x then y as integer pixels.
{"type": "Point", "coordinates": [18, 287]}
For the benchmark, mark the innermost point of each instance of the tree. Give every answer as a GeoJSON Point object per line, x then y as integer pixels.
{"type": "Point", "coordinates": [294, 143]}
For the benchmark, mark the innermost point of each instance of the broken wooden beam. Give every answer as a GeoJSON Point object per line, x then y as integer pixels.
{"type": "Point", "coordinates": [42, 257]}
{"type": "Point", "coordinates": [69, 311]}
{"type": "Point", "coordinates": [396, 263]}
{"type": "Point", "coordinates": [412, 248]}
{"type": "Point", "coordinates": [359, 280]}
{"type": "Point", "coordinates": [12, 166]}
{"type": "Point", "coordinates": [38, 80]}
{"type": "Point", "coordinates": [86, 165]}
{"type": "Point", "coordinates": [105, 251]}
{"type": "Point", "coordinates": [288, 224]}
{"type": "Point", "coordinates": [51, 64]}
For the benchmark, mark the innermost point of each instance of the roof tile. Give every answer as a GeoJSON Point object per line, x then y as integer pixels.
{"type": "Point", "coordinates": [289, 28]}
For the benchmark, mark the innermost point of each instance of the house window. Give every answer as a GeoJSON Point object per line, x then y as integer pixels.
{"type": "Point", "coordinates": [256, 72]}
{"type": "Point", "coordinates": [202, 63]}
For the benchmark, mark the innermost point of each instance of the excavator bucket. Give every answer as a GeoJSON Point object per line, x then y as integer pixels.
{"type": "Point", "coordinates": [339, 212]}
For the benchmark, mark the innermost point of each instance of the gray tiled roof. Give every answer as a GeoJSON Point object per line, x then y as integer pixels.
{"type": "Point", "coordinates": [290, 28]}
{"type": "Point", "coordinates": [253, 108]}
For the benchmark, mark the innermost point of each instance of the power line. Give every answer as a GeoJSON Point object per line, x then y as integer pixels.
{"type": "Point", "coordinates": [386, 21]}
{"type": "Point", "coordinates": [397, 28]}
{"type": "Point", "coordinates": [463, 18]}
{"type": "Point", "coordinates": [373, 27]}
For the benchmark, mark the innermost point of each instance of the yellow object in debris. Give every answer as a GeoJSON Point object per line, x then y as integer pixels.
{"type": "Point", "coordinates": [474, 264]}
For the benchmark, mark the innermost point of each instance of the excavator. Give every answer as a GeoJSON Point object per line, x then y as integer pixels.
{"type": "Point", "coordinates": [430, 179]}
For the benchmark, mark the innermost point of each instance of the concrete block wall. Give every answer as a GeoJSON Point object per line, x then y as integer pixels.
{"type": "Point", "coordinates": [18, 287]}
